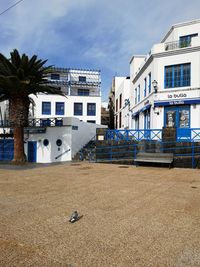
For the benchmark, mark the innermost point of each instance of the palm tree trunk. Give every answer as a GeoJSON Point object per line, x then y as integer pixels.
{"type": "Point", "coordinates": [18, 117]}
{"type": "Point", "coordinates": [19, 155]}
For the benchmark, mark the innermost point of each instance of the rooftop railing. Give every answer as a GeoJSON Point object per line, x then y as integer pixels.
{"type": "Point", "coordinates": [177, 44]}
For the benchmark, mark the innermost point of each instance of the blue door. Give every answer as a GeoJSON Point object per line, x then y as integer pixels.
{"type": "Point", "coordinates": [178, 117]}
{"type": "Point", "coordinates": [6, 149]}
{"type": "Point", "coordinates": [32, 151]}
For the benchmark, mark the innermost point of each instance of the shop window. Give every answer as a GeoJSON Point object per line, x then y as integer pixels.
{"type": "Point", "coordinates": [78, 109]}
{"type": "Point", "coordinates": [60, 108]}
{"type": "Point", "coordinates": [46, 108]}
{"type": "Point", "coordinates": [91, 109]}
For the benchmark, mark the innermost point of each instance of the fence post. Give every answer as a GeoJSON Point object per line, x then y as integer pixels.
{"type": "Point", "coordinates": [134, 151]}
{"type": "Point", "coordinates": [193, 159]}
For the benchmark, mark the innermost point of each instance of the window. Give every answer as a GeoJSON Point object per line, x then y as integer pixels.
{"type": "Point", "coordinates": [185, 41]}
{"type": "Point", "coordinates": [46, 108]}
{"type": "Point", "coordinates": [138, 93]}
{"type": "Point", "coordinates": [116, 108]}
{"type": "Point", "coordinates": [91, 121]}
{"type": "Point", "coordinates": [177, 75]}
{"type": "Point", "coordinates": [55, 76]}
{"type": "Point", "coordinates": [84, 92]}
{"type": "Point", "coordinates": [78, 109]}
{"type": "Point", "coordinates": [60, 108]}
{"type": "Point", "coordinates": [116, 122]}
{"type": "Point", "coordinates": [82, 79]}
{"type": "Point", "coordinates": [145, 87]}
{"type": "Point", "coordinates": [120, 120]}
{"type": "Point", "coordinates": [91, 109]}
{"type": "Point", "coordinates": [149, 83]}
{"type": "Point", "coordinates": [135, 95]}
{"type": "Point", "coordinates": [120, 101]}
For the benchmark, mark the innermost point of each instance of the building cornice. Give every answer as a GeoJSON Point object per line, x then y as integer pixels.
{"type": "Point", "coordinates": [165, 54]}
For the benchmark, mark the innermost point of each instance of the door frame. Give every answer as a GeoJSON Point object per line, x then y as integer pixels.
{"type": "Point", "coordinates": [34, 151]}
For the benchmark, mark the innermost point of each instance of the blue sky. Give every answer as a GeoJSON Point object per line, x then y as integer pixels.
{"type": "Point", "coordinates": [94, 34]}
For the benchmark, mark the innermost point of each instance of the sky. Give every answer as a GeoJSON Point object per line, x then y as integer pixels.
{"type": "Point", "coordinates": [92, 34]}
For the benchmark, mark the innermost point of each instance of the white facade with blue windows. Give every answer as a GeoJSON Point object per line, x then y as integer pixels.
{"type": "Point", "coordinates": [83, 96]}
{"type": "Point", "coordinates": [165, 84]}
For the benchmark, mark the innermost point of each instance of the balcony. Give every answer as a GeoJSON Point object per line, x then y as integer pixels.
{"type": "Point", "coordinates": [177, 45]}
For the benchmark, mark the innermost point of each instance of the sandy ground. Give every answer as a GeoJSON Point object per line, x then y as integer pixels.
{"type": "Point", "coordinates": [131, 216]}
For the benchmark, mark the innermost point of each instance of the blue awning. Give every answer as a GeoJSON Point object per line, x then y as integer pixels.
{"type": "Point", "coordinates": [145, 108]}
{"type": "Point", "coordinates": [177, 102]}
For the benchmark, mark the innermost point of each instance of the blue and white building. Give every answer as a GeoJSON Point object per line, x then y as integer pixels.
{"type": "Point", "coordinates": [83, 96]}
{"type": "Point", "coordinates": [165, 84]}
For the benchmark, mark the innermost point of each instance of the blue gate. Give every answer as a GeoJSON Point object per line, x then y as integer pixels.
{"type": "Point", "coordinates": [6, 149]}
{"type": "Point", "coordinates": [32, 151]}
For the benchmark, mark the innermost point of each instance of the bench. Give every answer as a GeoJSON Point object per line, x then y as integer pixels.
{"type": "Point", "coordinates": [164, 158]}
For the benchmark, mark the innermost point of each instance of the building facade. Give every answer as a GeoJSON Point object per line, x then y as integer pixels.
{"type": "Point", "coordinates": [119, 102]}
{"type": "Point", "coordinates": [83, 96]}
{"type": "Point", "coordinates": [165, 84]}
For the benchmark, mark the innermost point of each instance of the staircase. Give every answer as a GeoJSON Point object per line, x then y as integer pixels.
{"type": "Point", "coordinates": [88, 152]}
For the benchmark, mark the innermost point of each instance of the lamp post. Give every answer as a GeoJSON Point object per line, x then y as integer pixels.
{"type": "Point", "coordinates": [155, 86]}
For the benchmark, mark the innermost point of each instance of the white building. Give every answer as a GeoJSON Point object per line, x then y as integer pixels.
{"type": "Point", "coordinates": [165, 84]}
{"type": "Point", "coordinates": [121, 87]}
{"type": "Point", "coordinates": [83, 96]}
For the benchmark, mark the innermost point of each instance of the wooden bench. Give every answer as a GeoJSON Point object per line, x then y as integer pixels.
{"type": "Point", "coordinates": [164, 158]}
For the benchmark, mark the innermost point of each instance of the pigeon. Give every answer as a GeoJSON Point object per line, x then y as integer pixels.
{"type": "Point", "coordinates": [74, 217]}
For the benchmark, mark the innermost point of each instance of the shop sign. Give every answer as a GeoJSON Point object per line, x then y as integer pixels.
{"type": "Point", "coordinates": [180, 95]}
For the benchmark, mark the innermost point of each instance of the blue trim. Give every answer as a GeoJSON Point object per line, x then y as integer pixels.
{"type": "Point", "coordinates": [177, 102]}
{"type": "Point", "coordinates": [170, 81]}
{"type": "Point", "coordinates": [138, 93]}
{"type": "Point", "coordinates": [145, 108]}
{"type": "Point", "coordinates": [149, 82]}
{"type": "Point", "coordinates": [32, 151]}
{"type": "Point", "coordinates": [78, 109]}
{"type": "Point", "coordinates": [60, 108]}
{"type": "Point", "coordinates": [91, 109]}
{"type": "Point", "coordinates": [46, 108]}
{"type": "Point", "coordinates": [145, 87]}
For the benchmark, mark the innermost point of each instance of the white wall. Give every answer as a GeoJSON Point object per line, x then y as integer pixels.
{"type": "Point", "coordinates": [72, 138]}
{"type": "Point", "coordinates": [69, 106]}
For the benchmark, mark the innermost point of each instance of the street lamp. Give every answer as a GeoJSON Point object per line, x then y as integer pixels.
{"type": "Point", "coordinates": [155, 86]}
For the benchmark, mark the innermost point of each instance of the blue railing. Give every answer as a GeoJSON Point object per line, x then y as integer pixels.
{"type": "Point", "coordinates": [182, 135]}
{"type": "Point", "coordinates": [134, 135]}
{"type": "Point", "coordinates": [110, 153]}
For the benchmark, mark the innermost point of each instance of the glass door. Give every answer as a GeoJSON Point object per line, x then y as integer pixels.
{"type": "Point", "coordinates": [178, 117]}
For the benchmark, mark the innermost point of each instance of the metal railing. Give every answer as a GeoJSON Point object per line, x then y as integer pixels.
{"type": "Point", "coordinates": [182, 135]}
{"type": "Point", "coordinates": [177, 44]}
{"type": "Point", "coordinates": [37, 122]}
{"type": "Point", "coordinates": [137, 135]}
{"type": "Point", "coordinates": [185, 154]}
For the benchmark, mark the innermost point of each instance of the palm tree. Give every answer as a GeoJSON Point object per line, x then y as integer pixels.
{"type": "Point", "coordinates": [21, 76]}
